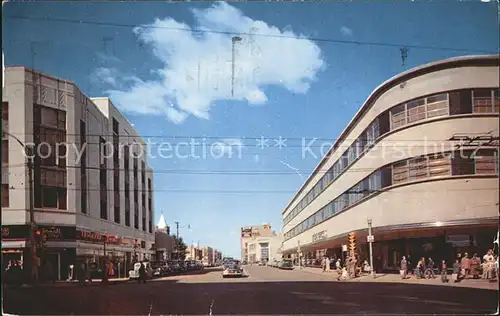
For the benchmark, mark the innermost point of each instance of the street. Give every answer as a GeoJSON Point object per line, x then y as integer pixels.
{"type": "Point", "coordinates": [265, 290]}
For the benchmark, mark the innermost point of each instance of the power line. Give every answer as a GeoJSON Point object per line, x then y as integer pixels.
{"type": "Point", "coordinates": [210, 191]}
{"type": "Point", "coordinates": [315, 39]}
{"type": "Point", "coordinates": [256, 138]}
{"type": "Point", "coordinates": [223, 172]}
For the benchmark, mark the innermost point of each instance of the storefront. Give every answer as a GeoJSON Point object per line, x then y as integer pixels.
{"type": "Point", "coordinates": [55, 252]}
{"type": "Point", "coordinates": [66, 246]}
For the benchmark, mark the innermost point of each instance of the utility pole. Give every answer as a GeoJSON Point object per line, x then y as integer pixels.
{"type": "Point", "coordinates": [234, 40]}
{"type": "Point", "coordinates": [298, 254]}
{"type": "Point", "coordinates": [105, 276]}
{"type": "Point", "coordinates": [177, 240]}
{"type": "Point", "coordinates": [29, 152]}
{"type": "Point", "coordinates": [370, 241]}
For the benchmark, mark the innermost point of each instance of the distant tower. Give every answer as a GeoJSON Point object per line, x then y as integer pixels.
{"type": "Point", "coordinates": [162, 225]}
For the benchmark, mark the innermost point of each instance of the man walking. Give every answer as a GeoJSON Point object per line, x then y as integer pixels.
{"type": "Point", "coordinates": [404, 268]}
{"type": "Point", "coordinates": [465, 263]}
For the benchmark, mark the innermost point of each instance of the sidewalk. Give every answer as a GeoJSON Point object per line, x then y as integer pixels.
{"type": "Point", "coordinates": [395, 278]}
{"type": "Point", "coordinates": [112, 281]}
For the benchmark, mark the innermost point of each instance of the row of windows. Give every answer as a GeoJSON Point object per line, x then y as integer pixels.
{"type": "Point", "coordinates": [364, 142]}
{"type": "Point", "coordinates": [483, 162]}
{"type": "Point", "coordinates": [403, 114]}
{"type": "Point", "coordinates": [365, 187]}
{"type": "Point", "coordinates": [420, 109]}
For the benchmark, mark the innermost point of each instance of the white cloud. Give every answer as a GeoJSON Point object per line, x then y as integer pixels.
{"type": "Point", "coordinates": [346, 31]}
{"type": "Point", "coordinates": [197, 66]}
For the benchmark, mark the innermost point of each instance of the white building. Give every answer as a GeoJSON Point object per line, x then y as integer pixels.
{"type": "Point", "coordinates": [266, 248]}
{"type": "Point", "coordinates": [101, 201]}
{"type": "Point", "coordinates": [406, 162]}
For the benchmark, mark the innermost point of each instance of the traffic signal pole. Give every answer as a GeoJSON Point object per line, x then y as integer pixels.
{"type": "Point", "coordinates": [370, 241]}
{"type": "Point", "coordinates": [34, 261]}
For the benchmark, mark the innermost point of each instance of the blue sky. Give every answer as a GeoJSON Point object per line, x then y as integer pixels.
{"type": "Point", "coordinates": [295, 88]}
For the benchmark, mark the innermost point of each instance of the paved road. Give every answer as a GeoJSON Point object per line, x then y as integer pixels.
{"type": "Point", "coordinates": [265, 291]}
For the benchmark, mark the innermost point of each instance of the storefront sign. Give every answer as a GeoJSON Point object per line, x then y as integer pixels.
{"type": "Point", "coordinates": [53, 233]}
{"type": "Point", "coordinates": [98, 237]}
{"type": "Point", "coordinates": [458, 240]}
{"type": "Point", "coordinates": [319, 236]}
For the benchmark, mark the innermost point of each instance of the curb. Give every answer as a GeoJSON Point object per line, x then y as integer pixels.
{"type": "Point", "coordinates": [380, 279]}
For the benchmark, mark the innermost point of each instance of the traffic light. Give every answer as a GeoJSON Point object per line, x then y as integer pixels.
{"type": "Point", "coordinates": [40, 237]}
{"type": "Point", "coordinates": [352, 243]}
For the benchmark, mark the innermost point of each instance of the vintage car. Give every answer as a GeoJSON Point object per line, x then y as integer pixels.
{"type": "Point", "coordinates": [232, 269]}
{"type": "Point", "coordinates": [134, 274]}
{"type": "Point", "coordinates": [285, 264]}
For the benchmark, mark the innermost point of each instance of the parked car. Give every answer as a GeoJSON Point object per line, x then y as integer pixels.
{"type": "Point", "coordinates": [174, 266]}
{"type": "Point", "coordinates": [160, 268]}
{"type": "Point", "coordinates": [134, 274]}
{"type": "Point", "coordinates": [285, 264]}
{"type": "Point", "coordinates": [262, 263]}
{"type": "Point", "coordinates": [183, 267]}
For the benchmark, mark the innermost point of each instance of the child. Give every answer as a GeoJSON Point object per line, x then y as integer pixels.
{"type": "Point", "coordinates": [456, 271]}
{"type": "Point", "coordinates": [444, 276]}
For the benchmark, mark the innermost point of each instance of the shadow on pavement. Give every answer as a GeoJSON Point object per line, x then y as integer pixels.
{"type": "Point", "coordinates": [170, 297]}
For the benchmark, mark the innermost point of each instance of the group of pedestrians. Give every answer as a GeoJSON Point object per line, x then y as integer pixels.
{"type": "Point", "coordinates": [464, 267]}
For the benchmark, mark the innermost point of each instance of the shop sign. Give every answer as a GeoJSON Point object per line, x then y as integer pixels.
{"type": "Point", "coordinates": [458, 240]}
{"type": "Point", "coordinates": [99, 238]}
{"type": "Point", "coordinates": [53, 233]}
{"type": "Point", "coordinates": [319, 236]}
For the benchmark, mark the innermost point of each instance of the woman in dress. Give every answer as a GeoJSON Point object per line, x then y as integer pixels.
{"type": "Point", "coordinates": [475, 263]}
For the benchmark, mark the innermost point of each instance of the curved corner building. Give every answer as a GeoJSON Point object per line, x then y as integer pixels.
{"type": "Point", "coordinates": [419, 161]}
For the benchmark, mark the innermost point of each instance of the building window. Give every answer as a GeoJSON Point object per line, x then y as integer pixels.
{"type": "Point", "coordinates": [54, 197]}
{"type": "Point", "coordinates": [53, 177]}
{"type": "Point", "coordinates": [5, 151]}
{"type": "Point", "coordinates": [437, 105]}
{"type": "Point", "coordinates": [485, 101]}
{"type": "Point", "coordinates": [439, 165]}
{"type": "Point", "coordinates": [52, 117]}
{"type": "Point", "coordinates": [415, 111]}
{"type": "Point", "coordinates": [398, 116]}
{"type": "Point", "coordinates": [5, 195]}
{"type": "Point", "coordinates": [418, 168]}
{"type": "Point", "coordinates": [83, 166]}
{"type": "Point", "coordinates": [5, 111]}
{"type": "Point", "coordinates": [486, 162]}
{"type": "Point", "coordinates": [420, 109]}
{"type": "Point", "coordinates": [400, 172]}
{"type": "Point", "coordinates": [104, 208]}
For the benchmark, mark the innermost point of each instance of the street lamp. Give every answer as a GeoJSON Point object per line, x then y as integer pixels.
{"type": "Point", "coordinates": [370, 241]}
{"type": "Point", "coordinates": [29, 151]}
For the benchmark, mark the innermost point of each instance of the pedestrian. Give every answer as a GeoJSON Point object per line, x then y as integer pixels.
{"type": "Point", "coordinates": [465, 264]}
{"type": "Point", "coordinates": [327, 261]}
{"type": "Point", "coordinates": [323, 264]}
{"type": "Point", "coordinates": [345, 274]}
{"type": "Point", "coordinates": [409, 264]}
{"type": "Point", "coordinates": [338, 267]}
{"type": "Point", "coordinates": [142, 273]}
{"type": "Point", "coordinates": [404, 268]}
{"type": "Point", "coordinates": [475, 263]}
{"type": "Point", "coordinates": [444, 274]}
{"type": "Point", "coordinates": [418, 269]}
{"type": "Point", "coordinates": [488, 261]}
{"type": "Point", "coordinates": [430, 267]}
{"type": "Point", "coordinates": [456, 271]}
